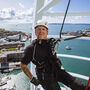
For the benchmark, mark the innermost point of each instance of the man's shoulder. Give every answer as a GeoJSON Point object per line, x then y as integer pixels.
{"type": "Point", "coordinates": [29, 47]}
{"type": "Point", "coordinates": [33, 42]}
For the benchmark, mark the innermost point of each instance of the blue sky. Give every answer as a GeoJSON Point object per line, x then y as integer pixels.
{"type": "Point", "coordinates": [22, 11]}
{"type": "Point", "coordinates": [16, 4]}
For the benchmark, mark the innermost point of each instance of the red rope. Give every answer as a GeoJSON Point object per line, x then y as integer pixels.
{"type": "Point", "coordinates": [87, 84]}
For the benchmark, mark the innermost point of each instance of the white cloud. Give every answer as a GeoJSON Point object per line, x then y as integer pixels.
{"type": "Point", "coordinates": [11, 14]}
{"type": "Point", "coordinates": [7, 13]}
{"type": "Point", "coordinates": [78, 19]}
{"type": "Point", "coordinates": [30, 11]}
{"type": "Point", "coordinates": [69, 19]}
{"type": "Point", "coordinates": [25, 13]}
{"type": "Point", "coordinates": [21, 5]}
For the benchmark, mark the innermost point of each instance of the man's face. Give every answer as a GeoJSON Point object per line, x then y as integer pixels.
{"type": "Point", "coordinates": [41, 32]}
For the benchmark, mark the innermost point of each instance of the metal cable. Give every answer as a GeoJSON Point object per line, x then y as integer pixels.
{"type": "Point", "coordinates": [64, 18]}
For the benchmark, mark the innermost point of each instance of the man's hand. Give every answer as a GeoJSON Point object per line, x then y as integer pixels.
{"type": "Point", "coordinates": [35, 81]}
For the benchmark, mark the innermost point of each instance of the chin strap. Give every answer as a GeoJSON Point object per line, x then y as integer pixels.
{"type": "Point", "coordinates": [88, 84]}
{"type": "Point", "coordinates": [40, 41]}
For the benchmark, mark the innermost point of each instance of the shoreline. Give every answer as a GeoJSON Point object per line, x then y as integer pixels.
{"type": "Point", "coordinates": [63, 37]}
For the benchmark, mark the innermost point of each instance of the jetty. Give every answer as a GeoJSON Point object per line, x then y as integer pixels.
{"type": "Point", "coordinates": [85, 32]}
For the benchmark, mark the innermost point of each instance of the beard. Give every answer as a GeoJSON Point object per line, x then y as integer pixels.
{"type": "Point", "coordinates": [41, 37]}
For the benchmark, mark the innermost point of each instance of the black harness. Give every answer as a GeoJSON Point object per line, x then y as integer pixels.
{"type": "Point", "coordinates": [51, 44]}
{"type": "Point", "coordinates": [49, 66]}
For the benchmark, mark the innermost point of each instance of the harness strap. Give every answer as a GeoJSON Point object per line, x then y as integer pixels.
{"type": "Point", "coordinates": [37, 63]}
{"type": "Point", "coordinates": [34, 52]}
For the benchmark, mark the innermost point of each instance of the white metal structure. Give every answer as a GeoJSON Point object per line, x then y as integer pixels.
{"type": "Point", "coordinates": [41, 6]}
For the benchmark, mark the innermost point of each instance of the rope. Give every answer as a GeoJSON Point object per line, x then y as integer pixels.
{"type": "Point", "coordinates": [64, 18]}
{"type": "Point", "coordinates": [88, 84]}
{"type": "Point", "coordinates": [57, 41]}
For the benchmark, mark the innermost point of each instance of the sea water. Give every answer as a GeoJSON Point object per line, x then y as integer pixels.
{"type": "Point", "coordinates": [79, 47]}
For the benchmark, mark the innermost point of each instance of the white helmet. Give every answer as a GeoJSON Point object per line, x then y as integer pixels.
{"type": "Point", "coordinates": [41, 23]}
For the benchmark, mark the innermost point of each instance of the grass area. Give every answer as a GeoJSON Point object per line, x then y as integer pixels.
{"type": "Point", "coordinates": [1, 30]}
{"type": "Point", "coordinates": [8, 49]}
{"type": "Point", "coordinates": [0, 51]}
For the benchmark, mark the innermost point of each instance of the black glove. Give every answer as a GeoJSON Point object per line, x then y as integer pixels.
{"type": "Point", "coordinates": [35, 81]}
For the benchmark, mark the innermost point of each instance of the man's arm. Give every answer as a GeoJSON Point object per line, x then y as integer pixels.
{"type": "Point", "coordinates": [29, 74]}
{"type": "Point", "coordinates": [26, 71]}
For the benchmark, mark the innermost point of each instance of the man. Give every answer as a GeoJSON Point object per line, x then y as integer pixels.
{"type": "Point", "coordinates": [48, 67]}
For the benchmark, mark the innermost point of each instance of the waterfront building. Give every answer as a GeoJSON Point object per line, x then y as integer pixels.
{"type": "Point", "coordinates": [13, 56]}
{"type": "Point", "coordinates": [3, 58]}
{"type": "Point", "coordinates": [12, 45]}
{"type": "Point", "coordinates": [11, 52]}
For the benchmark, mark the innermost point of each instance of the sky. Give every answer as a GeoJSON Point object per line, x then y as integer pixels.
{"type": "Point", "coordinates": [21, 11]}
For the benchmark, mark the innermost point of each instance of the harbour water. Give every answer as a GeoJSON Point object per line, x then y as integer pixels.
{"type": "Point", "coordinates": [79, 47]}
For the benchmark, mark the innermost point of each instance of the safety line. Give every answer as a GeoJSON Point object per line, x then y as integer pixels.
{"type": "Point", "coordinates": [88, 84]}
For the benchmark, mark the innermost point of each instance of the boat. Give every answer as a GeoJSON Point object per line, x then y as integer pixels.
{"type": "Point", "coordinates": [2, 83]}
{"type": "Point", "coordinates": [6, 70]}
{"type": "Point", "coordinates": [6, 83]}
{"type": "Point", "coordinates": [68, 48]}
{"type": "Point", "coordinates": [2, 40]}
{"type": "Point", "coordinates": [10, 88]}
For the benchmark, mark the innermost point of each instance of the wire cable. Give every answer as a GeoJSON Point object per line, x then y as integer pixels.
{"type": "Point", "coordinates": [64, 18]}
